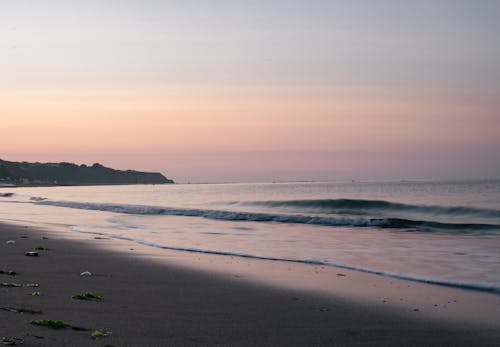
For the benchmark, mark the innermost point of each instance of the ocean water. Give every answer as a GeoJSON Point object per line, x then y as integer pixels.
{"type": "Point", "coordinates": [446, 233]}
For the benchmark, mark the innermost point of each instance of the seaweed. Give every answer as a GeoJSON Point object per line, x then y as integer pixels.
{"type": "Point", "coordinates": [32, 285]}
{"type": "Point", "coordinates": [40, 248]}
{"type": "Point", "coordinates": [88, 296]}
{"type": "Point", "coordinates": [20, 310]}
{"type": "Point", "coordinates": [53, 324]}
{"type": "Point", "coordinates": [56, 324]}
{"type": "Point", "coordinates": [36, 294]}
{"type": "Point", "coordinates": [9, 284]}
{"type": "Point", "coordinates": [97, 333]}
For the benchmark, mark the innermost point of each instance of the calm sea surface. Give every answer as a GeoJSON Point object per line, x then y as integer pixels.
{"type": "Point", "coordinates": [439, 232]}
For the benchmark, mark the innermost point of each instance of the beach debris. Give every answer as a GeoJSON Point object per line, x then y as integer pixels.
{"type": "Point", "coordinates": [53, 324]}
{"type": "Point", "coordinates": [8, 272]}
{"type": "Point", "coordinates": [56, 324]}
{"type": "Point", "coordinates": [97, 334]}
{"type": "Point", "coordinates": [21, 310]}
{"type": "Point", "coordinates": [12, 341]}
{"type": "Point", "coordinates": [24, 237]}
{"type": "Point", "coordinates": [31, 254]}
{"type": "Point", "coordinates": [37, 336]}
{"type": "Point", "coordinates": [88, 296]}
{"type": "Point", "coordinates": [41, 248]}
{"type": "Point", "coordinates": [32, 285]}
{"type": "Point", "coordinates": [36, 294]}
{"type": "Point", "coordinates": [10, 242]}
{"type": "Point", "coordinates": [86, 274]}
{"type": "Point", "coordinates": [37, 198]}
{"type": "Point", "coordinates": [341, 275]}
{"type": "Point", "coordinates": [6, 195]}
{"type": "Point", "coordinates": [45, 238]}
{"type": "Point", "coordinates": [9, 284]}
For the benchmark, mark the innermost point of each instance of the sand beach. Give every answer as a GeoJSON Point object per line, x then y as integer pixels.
{"type": "Point", "coordinates": [153, 297]}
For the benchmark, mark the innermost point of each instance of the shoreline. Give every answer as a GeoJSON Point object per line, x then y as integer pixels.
{"type": "Point", "coordinates": [155, 297]}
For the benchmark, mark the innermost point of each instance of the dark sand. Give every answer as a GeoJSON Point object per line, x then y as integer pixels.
{"type": "Point", "coordinates": [151, 303]}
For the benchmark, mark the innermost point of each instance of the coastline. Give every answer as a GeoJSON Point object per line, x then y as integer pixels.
{"type": "Point", "coordinates": [29, 185]}
{"type": "Point", "coordinates": [154, 297]}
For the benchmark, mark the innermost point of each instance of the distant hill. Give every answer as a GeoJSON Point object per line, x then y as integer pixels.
{"type": "Point", "coordinates": [23, 173]}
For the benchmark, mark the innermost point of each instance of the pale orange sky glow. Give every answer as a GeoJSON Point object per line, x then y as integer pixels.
{"type": "Point", "coordinates": [250, 132]}
{"type": "Point", "coordinates": [333, 98]}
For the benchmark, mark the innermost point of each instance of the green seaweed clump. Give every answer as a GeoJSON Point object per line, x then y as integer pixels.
{"type": "Point", "coordinates": [40, 248]}
{"type": "Point", "coordinates": [32, 285]}
{"type": "Point", "coordinates": [9, 284]}
{"type": "Point", "coordinates": [54, 324]}
{"type": "Point", "coordinates": [96, 334]}
{"type": "Point", "coordinates": [36, 293]}
{"type": "Point", "coordinates": [88, 296]}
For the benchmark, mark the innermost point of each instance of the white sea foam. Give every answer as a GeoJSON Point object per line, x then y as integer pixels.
{"type": "Point", "coordinates": [479, 286]}
{"type": "Point", "coordinates": [278, 218]}
{"type": "Point", "coordinates": [444, 233]}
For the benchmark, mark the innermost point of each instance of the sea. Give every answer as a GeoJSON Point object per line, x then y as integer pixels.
{"type": "Point", "coordinates": [440, 232]}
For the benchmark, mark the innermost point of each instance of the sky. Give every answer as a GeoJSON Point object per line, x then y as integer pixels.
{"type": "Point", "coordinates": [230, 91]}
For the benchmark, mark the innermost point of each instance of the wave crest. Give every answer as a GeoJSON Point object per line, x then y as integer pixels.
{"type": "Point", "coordinates": [359, 205]}
{"type": "Point", "coordinates": [419, 225]}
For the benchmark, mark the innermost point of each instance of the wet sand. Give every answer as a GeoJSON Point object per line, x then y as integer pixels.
{"type": "Point", "coordinates": [153, 297]}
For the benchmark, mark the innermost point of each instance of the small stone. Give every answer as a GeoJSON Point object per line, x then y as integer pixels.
{"type": "Point", "coordinates": [10, 242]}
{"type": "Point", "coordinates": [86, 274]}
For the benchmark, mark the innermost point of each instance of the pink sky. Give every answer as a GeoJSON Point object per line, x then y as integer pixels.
{"type": "Point", "coordinates": [314, 91]}
{"type": "Point", "coordinates": [257, 133]}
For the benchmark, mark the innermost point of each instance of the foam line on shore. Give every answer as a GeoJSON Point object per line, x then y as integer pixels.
{"type": "Point", "coordinates": [477, 286]}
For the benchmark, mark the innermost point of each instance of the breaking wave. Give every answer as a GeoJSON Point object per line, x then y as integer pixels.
{"type": "Point", "coordinates": [356, 205]}
{"type": "Point", "coordinates": [399, 223]}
